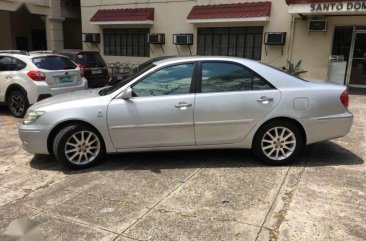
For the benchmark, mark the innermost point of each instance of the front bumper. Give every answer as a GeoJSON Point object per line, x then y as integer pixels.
{"type": "Point", "coordinates": [327, 127]}
{"type": "Point", "coordinates": [34, 138]}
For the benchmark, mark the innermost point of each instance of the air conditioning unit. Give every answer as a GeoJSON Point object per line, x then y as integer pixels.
{"type": "Point", "coordinates": [278, 38]}
{"type": "Point", "coordinates": [92, 37]}
{"type": "Point", "coordinates": [318, 25]}
{"type": "Point", "coordinates": [183, 39]}
{"type": "Point", "coordinates": [156, 38]}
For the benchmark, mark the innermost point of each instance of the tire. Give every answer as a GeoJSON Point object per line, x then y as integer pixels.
{"type": "Point", "coordinates": [78, 146]}
{"type": "Point", "coordinates": [281, 148]}
{"type": "Point", "coordinates": [17, 103]}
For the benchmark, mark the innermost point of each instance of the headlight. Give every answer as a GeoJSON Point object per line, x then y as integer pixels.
{"type": "Point", "coordinates": [32, 116]}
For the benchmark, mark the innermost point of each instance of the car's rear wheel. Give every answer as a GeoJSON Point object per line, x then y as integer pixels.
{"type": "Point", "coordinates": [17, 103]}
{"type": "Point", "coordinates": [78, 146]}
{"type": "Point", "coordinates": [278, 143]}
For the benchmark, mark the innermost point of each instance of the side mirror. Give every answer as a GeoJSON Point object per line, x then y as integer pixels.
{"type": "Point", "coordinates": [127, 94]}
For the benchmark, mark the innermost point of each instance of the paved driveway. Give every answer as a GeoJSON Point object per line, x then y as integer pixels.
{"type": "Point", "coordinates": [203, 195]}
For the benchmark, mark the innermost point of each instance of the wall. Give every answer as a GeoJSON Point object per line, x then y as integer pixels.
{"type": "Point", "coordinates": [72, 33]}
{"type": "Point", "coordinates": [314, 48]}
{"type": "Point", "coordinates": [22, 24]}
{"type": "Point", "coordinates": [171, 17]}
{"type": "Point", "coordinates": [5, 36]}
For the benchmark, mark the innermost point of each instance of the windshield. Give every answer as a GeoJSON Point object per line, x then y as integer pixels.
{"type": "Point", "coordinates": [53, 62]}
{"type": "Point", "coordinates": [110, 89]}
{"type": "Point", "coordinates": [90, 60]}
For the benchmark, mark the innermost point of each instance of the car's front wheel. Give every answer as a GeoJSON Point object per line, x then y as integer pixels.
{"type": "Point", "coordinates": [278, 143]}
{"type": "Point", "coordinates": [17, 103]}
{"type": "Point", "coordinates": [78, 146]}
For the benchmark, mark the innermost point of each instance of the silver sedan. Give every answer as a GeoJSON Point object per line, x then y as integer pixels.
{"type": "Point", "coordinates": [190, 103]}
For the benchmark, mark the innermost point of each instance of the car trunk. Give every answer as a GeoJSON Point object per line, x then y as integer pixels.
{"type": "Point", "coordinates": [55, 78]}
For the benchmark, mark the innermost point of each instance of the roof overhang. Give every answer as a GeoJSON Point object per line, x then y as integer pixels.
{"type": "Point", "coordinates": [145, 22]}
{"type": "Point", "coordinates": [229, 20]}
{"type": "Point", "coordinates": [127, 16]}
{"type": "Point", "coordinates": [230, 13]}
{"type": "Point", "coordinates": [326, 7]}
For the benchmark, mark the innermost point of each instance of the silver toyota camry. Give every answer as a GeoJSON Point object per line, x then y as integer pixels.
{"type": "Point", "coordinates": [190, 103]}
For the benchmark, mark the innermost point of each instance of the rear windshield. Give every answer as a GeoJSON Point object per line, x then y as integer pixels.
{"type": "Point", "coordinates": [54, 63]}
{"type": "Point", "coordinates": [90, 60]}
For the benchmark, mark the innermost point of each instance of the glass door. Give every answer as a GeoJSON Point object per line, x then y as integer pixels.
{"type": "Point", "coordinates": [341, 48]}
{"type": "Point", "coordinates": [357, 72]}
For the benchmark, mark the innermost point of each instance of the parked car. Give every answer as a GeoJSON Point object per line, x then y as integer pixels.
{"type": "Point", "coordinates": [123, 76]}
{"type": "Point", "coordinates": [28, 78]}
{"type": "Point", "coordinates": [92, 65]}
{"type": "Point", "coordinates": [190, 103]}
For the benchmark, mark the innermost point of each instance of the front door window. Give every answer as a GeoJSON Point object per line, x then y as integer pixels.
{"type": "Point", "coordinates": [172, 80]}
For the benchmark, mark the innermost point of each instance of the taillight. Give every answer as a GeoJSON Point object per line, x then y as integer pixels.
{"type": "Point", "coordinates": [81, 70]}
{"type": "Point", "coordinates": [345, 98]}
{"type": "Point", "coordinates": [36, 75]}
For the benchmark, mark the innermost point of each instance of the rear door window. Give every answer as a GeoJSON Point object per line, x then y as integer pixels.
{"type": "Point", "coordinates": [5, 63]}
{"type": "Point", "coordinates": [90, 60]}
{"type": "Point", "coordinates": [53, 63]}
{"type": "Point", "coordinates": [226, 77]}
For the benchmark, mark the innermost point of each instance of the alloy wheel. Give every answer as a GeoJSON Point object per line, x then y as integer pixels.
{"type": "Point", "coordinates": [82, 147]}
{"type": "Point", "coordinates": [278, 143]}
{"type": "Point", "coordinates": [17, 105]}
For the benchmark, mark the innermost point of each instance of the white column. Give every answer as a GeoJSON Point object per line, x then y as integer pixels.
{"type": "Point", "coordinates": [54, 26]}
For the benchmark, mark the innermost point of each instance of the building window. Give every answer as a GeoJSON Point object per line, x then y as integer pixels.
{"type": "Point", "coordinates": [126, 42]}
{"type": "Point", "coordinates": [236, 41]}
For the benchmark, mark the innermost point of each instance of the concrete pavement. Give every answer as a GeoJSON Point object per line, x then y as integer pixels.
{"type": "Point", "coordinates": [194, 195]}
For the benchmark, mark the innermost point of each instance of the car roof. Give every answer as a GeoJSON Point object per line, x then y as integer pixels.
{"type": "Point", "coordinates": [34, 55]}
{"type": "Point", "coordinates": [172, 59]}
{"type": "Point", "coordinates": [75, 51]}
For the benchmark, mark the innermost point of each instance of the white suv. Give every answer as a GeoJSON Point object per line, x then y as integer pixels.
{"type": "Point", "coordinates": [28, 78]}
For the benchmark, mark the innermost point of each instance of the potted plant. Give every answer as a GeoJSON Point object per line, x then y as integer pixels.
{"type": "Point", "coordinates": [294, 69]}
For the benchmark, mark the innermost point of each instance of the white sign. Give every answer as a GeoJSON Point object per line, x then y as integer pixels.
{"type": "Point", "coordinates": [355, 7]}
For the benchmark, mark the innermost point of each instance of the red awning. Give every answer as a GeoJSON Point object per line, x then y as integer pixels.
{"type": "Point", "coordinates": [124, 16]}
{"type": "Point", "coordinates": [236, 12]}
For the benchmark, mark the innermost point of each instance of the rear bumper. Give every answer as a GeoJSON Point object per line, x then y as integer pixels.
{"type": "Point", "coordinates": [43, 88]}
{"type": "Point", "coordinates": [327, 127]}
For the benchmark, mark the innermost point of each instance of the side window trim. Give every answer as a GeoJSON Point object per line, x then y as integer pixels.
{"type": "Point", "coordinates": [194, 80]}
{"type": "Point", "coordinates": [199, 70]}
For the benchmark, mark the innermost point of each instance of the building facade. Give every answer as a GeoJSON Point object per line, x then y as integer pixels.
{"type": "Point", "coordinates": [329, 36]}
{"type": "Point", "coordinates": [40, 24]}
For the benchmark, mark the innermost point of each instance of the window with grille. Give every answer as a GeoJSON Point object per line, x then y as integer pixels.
{"type": "Point", "coordinates": [126, 42]}
{"type": "Point", "coordinates": [243, 42]}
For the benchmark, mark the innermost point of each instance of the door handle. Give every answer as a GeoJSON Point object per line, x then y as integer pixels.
{"type": "Point", "coordinates": [265, 100]}
{"type": "Point", "coordinates": [9, 77]}
{"type": "Point", "coordinates": [183, 105]}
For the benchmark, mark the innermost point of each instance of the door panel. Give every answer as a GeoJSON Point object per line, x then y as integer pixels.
{"type": "Point", "coordinates": [160, 113]}
{"type": "Point", "coordinates": [5, 75]}
{"type": "Point", "coordinates": [233, 100]}
{"type": "Point", "coordinates": [152, 121]}
{"type": "Point", "coordinates": [223, 118]}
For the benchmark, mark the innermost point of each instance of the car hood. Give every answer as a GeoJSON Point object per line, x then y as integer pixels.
{"type": "Point", "coordinates": [63, 98]}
